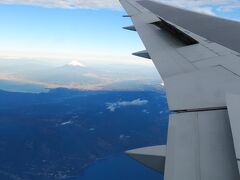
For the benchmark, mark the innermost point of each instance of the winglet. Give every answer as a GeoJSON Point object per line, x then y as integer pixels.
{"type": "Point", "coordinates": [153, 157]}
{"type": "Point", "coordinates": [143, 54]}
{"type": "Point", "coordinates": [130, 28]}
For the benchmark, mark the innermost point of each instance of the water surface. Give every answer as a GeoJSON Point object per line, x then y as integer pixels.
{"type": "Point", "coordinates": [118, 167]}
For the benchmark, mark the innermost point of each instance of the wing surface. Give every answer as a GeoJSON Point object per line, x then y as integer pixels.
{"type": "Point", "coordinates": [198, 59]}
{"type": "Point", "coordinates": [219, 30]}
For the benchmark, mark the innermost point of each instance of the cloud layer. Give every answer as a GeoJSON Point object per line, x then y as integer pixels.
{"type": "Point", "coordinates": [199, 5]}
{"type": "Point", "coordinates": [205, 6]}
{"type": "Point", "coordinates": [88, 4]}
{"type": "Point", "coordinates": [137, 102]}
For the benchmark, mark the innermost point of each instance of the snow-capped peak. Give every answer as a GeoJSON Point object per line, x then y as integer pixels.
{"type": "Point", "coordinates": [76, 64]}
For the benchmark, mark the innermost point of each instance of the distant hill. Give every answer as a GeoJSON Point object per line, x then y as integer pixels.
{"type": "Point", "coordinates": [35, 76]}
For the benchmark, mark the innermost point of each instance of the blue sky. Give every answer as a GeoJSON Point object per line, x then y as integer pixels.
{"type": "Point", "coordinates": [57, 31]}
{"type": "Point", "coordinates": [60, 31]}
{"type": "Point", "coordinates": [232, 14]}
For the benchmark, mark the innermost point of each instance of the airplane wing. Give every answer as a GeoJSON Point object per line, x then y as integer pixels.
{"type": "Point", "coordinates": [198, 58]}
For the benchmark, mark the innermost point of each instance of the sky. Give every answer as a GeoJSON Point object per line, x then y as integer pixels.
{"type": "Point", "coordinates": [82, 33]}
{"type": "Point", "coordinates": [78, 29]}
{"type": "Point", "coordinates": [62, 32]}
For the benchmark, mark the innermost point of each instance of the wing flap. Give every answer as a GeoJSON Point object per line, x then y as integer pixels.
{"type": "Point", "coordinates": [196, 147]}
{"type": "Point", "coordinates": [233, 101]}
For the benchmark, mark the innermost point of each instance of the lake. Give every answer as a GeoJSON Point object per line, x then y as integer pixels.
{"type": "Point", "coordinates": [118, 167]}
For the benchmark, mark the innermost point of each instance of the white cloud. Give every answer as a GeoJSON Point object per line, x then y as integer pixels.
{"type": "Point", "coordinates": [204, 6]}
{"type": "Point", "coordinates": [123, 137]}
{"type": "Point", "coordinates": [137, 102]}
{"type": "Point", "coordinates": [113, 4]}
{"type": "Point", "coordinates": [92, 129]}
{"type": "Point", "coordinates": [66, 123]}
{"type": "Point", "coordinates": [76, 64]}
{"type": "Point", "coordinates": [145, 111]}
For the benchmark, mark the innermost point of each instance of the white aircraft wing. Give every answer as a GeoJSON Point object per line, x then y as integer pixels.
{"type": "Point", "coordinates": [198, 58]}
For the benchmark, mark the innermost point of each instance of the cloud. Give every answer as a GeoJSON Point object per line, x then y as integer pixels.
{"type": "Point", "coordinates": [145, 111]}
{"type": "Point", "coordinates": [73, 4]}
{"type": "Point", "coordinates": [66, 123]}
{"type": "Point", "coordinates": [76, 64]}
{"type": "Point", "coordinates": [137, 102]}
{"type": "Point", "coordinates": [205, 6]}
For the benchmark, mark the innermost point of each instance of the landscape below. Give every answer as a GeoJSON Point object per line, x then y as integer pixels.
{"type": "Point", "coordinates": [61, 133]}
